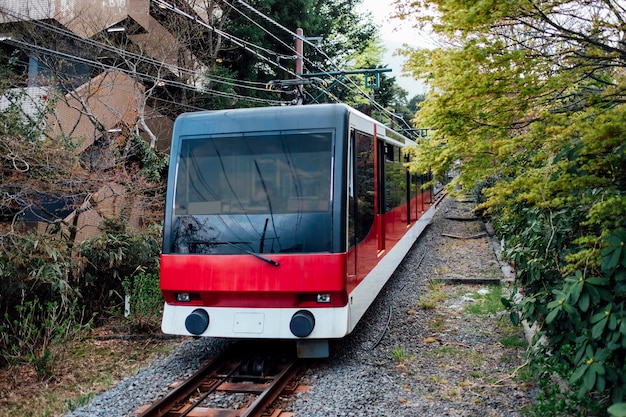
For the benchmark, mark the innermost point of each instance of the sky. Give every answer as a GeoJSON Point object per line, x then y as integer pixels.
{"type": "Point", "coordinates": [394, 34]}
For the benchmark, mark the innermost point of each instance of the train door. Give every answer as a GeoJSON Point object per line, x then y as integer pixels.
{"type": "Point", "coordinates": [362, 235]}
{"type": "Point", "coordinates": [351, 260]}
{"type": "Point", "coordinates": [380, 192]}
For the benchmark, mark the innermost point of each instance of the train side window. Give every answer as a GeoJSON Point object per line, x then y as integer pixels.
{"type": "Point", "coordinates": [395, 183]}
{"type": "Point", "coordinates": [363, 173]}
{"type": "Point", "coordinates": [351, 197]}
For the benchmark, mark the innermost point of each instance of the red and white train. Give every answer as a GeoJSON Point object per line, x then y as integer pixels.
{"type": "Point", "coordinates": [284, 222]}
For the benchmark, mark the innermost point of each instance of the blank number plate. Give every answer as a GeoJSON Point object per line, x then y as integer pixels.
{"type": "Point", "coordinates": [249, 323]}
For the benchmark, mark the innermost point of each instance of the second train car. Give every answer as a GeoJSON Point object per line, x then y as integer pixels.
{"type": "Point", "coordinates": [284, 222]}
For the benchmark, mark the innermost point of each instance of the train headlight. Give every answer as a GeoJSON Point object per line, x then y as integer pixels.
{"type": "Point", "coordinates": [323, 298]}
{"type": "Point", "coordinates": [183, 297]}
{"type": "Point", "coordinates": [197, 322]}
{"type": "Point", "coordinates": [302, 323]}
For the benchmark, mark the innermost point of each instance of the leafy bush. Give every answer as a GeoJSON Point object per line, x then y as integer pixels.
{"type": "Point", "coordinates": [568, 248]}
{"type": "Point", "coordinates": [144, 297]}
{"type": "Point", "coordinates": [51, 285]}
{"type": "Point", "coordinates": [119, 252]}
{"type": "Point", "coordinates": [44, 288]}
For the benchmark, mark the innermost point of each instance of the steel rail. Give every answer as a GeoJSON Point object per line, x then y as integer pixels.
{"type": "Point", "coordinates": [162, 406]}
{"type": "Point", "coordinates": [266, 393]}
{"type": "Point", "coordinates": [273, 390]}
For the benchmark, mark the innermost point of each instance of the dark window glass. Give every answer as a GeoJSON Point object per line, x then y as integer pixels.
{"type": "Point", "coordinates": [362, 190]}
{"type": "Point", "coordinates": [287, 173]}
{"type": "Point", "coordinates": [395, 178]}
{"type": "Point", "coordinates": [254, 194]}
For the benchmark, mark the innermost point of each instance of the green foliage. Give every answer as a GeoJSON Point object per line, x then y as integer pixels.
{"type": "Point", "coordinates": [555, 399]}
{"type": "Point", "coordinates": [153, 165]}
{"type": "Point", "coordinates": [30, 333]}
{"type": "Point", "coordinates": [617, 410]}
{"type": "Point", "coordinates": [80, 401]}
{"type": "Point", "coordinates": [538, 130]}
{"type": "Point", "coordinates": [118, 252]}
{"type": "Point", "coordinates": [45, 290]}
{"type": "Point", "coordinates": [145, 301]}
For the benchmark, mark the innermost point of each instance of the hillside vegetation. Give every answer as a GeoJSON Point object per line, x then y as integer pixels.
{"type": "Point", "coordinates": [528, 98]}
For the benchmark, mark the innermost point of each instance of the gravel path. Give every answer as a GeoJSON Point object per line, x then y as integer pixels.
{"type": "Point", "coordinates": [432, 360]}
{"type": "Point", "coordinates": [418, 351]}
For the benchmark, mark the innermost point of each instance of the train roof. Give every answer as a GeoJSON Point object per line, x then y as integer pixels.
{"type": "Point", "coordinates": [266, 118]}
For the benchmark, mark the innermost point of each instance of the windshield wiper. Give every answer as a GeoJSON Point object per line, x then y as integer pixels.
{"type": "Point", "coordinates": [241, 248]}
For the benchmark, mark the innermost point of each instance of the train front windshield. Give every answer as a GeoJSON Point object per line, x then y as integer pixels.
{"type": "Point", "coordinates": [268, 193]}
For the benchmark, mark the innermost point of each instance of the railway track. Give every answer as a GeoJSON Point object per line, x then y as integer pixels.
{"type": "Point", "coordinates": [236, 384]}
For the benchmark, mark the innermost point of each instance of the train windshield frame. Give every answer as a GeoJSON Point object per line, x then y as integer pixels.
{"type": "Point", "coordinates": [265, 192]}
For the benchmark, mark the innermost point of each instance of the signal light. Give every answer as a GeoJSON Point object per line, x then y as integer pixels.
{"type": "Point", "coordinates": [183, 297]}
{"type": "Point", "coordinates": [323, 298]}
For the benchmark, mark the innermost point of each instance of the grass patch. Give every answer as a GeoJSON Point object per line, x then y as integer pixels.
{"type": "Point", "coordinates": [516, 341]}
{"type": "Point", "coordinates": [399, 354]}
{"type": "Point", "coordinates": [486, 302]}
{"type": "Point", "coordinates": [434, 295]}
{"type": "Point", "coordinates": [82, 369]}
{"type": "Point", "coordinates": [467, 356]}
{"type": "Point", "coordinates": [437, 323]}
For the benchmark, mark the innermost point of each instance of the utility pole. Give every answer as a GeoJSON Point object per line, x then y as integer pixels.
{"type": "Point", "coordinates": [299, 60]}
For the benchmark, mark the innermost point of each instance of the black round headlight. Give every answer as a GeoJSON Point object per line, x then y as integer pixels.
{"type": "Point", "coordinates": [197, 322]}
{"type": "Point", "coordinates": [302, 323]}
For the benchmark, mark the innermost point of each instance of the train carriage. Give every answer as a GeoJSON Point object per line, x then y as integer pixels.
{"type": "Point", "coordinates": [284, 222]}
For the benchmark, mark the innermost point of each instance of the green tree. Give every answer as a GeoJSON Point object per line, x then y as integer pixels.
{"type": "Point", "coordinates": [529, 97]}
{"type": "Point", "coordinates": [343, 32]}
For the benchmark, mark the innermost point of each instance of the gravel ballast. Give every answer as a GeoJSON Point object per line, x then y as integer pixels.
{"type": "Point", "coordinates": [418, 351]}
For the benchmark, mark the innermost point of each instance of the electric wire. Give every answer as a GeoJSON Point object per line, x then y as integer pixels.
{"type": "Point", "coordinates": [283, 43]}
{"type": "Point", "coordinates": [248, 46]}
{"type": "Point", "coordinates": [325, 55]}
{"type": "Point", "coordinates": [295, 35]}
{"type": "Point", "coordinates": [178, 84]}
{"type": "Point", "coordinates": [244, 44]}
{"type": "Point", "coordinates": [140, 58]}
{"type": "Point", "coordinates": [359, 89]}
{"type": "Point", "coordinates": [176, 69]}
{"type": "Point", "coordinates": [239, 42]}
{"type": "Point", "coordinates": [318, 49]}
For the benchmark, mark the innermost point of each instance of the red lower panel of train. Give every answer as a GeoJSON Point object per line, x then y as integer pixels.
{"type": "Point", "coordinates": [246, 281]}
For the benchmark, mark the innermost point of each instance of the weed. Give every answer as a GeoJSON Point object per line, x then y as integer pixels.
{"type": "Point", "coordinates": [487, 302]}
{"type": "Point", "coordinates": [468, 356]}
{"type": "Point", "coordinates": [80, 401]}
{"type": "Point", "coordinates": [399, 354]}
{"type": "Point", "coordinates": [556, 399]}
{"type": "Point", "coordinates": [39, 328]}
{"type": "Point", "coordinates": [434, 295]}
{"type": "Point", "coordinates": [437, 379]}
{"type": "Point", "coordinates": [145, 300]}
{"type": "Point", "coordinates": [436, 323]}
{"type": "Point", "coordinates": [516, 341]}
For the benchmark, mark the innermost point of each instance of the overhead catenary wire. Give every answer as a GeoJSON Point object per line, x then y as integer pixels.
{"type": "Point", "coordinates": [295, 35]}
{"type": "Point", "coordinates": [294, 56]}
{"type": "Point", "coordinates": [324, 54]}
{"type": "Point", "coordinates": [139, 58]}
{"type": "Point", "coordinates": [104, 66]}
{"type": "Point", "coordinates": [223, 80]}
{"type": "Point", "coordinates": [248, 46]}
{"type": "Point", "coordinates": [125, 54]}
{"type": "Point", "coordinates": [237, 41]}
